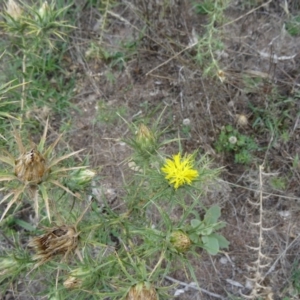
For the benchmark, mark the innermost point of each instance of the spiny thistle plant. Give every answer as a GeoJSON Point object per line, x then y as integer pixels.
{"type": "Point", "coordinates": [34, 21]}
{"type": "Point", "coordinates": [122, 253]}
{"type": "Point", "coordinates": [33, 170]}
{"type": "Point", "coordinates": [210, 45]}
{"type": "Point", "coordinates": [32, 34]}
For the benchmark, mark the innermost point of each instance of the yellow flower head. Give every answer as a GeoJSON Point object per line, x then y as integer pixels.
{"type": "Point", "coordinates": [179, 171]}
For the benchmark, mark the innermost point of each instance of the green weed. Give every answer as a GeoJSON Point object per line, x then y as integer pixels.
{"type": "Point", "coordinates": [100, 263]}
{"type": "Point", "coordinates": [293, 26]}
{"type": "Point", "coordinates": [211, 42]}
{"type": "Point", "coordinates": [295, 278]}
{"type": "Point", "coordinates": [231, 141]}
{"type": "Point", "coordinates": [274, 117]}
{"type": "Point", "coordinates": [278, 183]}
{"type": "Point", "coordinates": [34, 49]}
{"type": "Point", "coordinates": [204, 8]}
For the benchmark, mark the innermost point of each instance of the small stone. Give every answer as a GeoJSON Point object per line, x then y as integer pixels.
{"type": "Point", "coordinates": [285, 214]}
{"type": "Point", "coordinates": [178, 292]}
{"type": "Point", "coordinates": [223, 260]}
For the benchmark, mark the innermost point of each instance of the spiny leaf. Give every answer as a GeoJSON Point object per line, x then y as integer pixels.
{"type": "Point", "coordinates": [59, 159]}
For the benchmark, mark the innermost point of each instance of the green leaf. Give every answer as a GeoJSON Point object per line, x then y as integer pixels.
{"type": "Point", "coordinates": [212, 215]}
{"type": "Point", "coordinates": [195, 223]}
{"type": "Point", "coordinates": [24, 224]}
{"type": "Point", "coordinates": [223, 243]}
{"type": "Point", "coordinates": [206, 231]}
{"type": "Point", "coordinates": [219, 225]}
{"type": "Point", "coordinates": [211, 244]}
{"type": "Point", "coordinates": [194, 237]}
{"type": "Point", "coordinates": [229, 128]}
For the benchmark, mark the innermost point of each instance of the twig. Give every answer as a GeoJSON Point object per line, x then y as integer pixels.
{"type": "Point", "coordinates": [194, 287]}
{"type": "Point", "coordinates": [248, 13]}
{"type": "Point", "coordinates": [264, 193]}
{"type": "Point", "coordinates": [171, 58]}
{"type": "Point", "coordinates": [275, 57]}
{"type": "Point", "coordinates": [281, 254]}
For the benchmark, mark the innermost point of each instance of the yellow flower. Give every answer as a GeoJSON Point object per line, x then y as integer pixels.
{"type": "Point", "coordinates": [179, 171]}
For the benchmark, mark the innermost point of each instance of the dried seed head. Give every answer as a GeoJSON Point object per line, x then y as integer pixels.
{"type": "Point", "coordinates": [142, 291]}
{"type": "Point", "coordinates": [73, 282]}
{"type": "Point", "coordinates": [242, 120]}
{"type": "Point", "coordinates": [76, 278]}
{"type": "Point", "coordinates": [180, 241]}
{"type": "Point", "coordinates": [31, 167]}
{"type": "Point", "coordinates": [186, 122]}
{"type": "Point", "coordinates": [232, 140]}
{"type": "Point", "coordinates": [221, 75]}
{"type": "Point", "coordinates": [13, 9]}
{"type": "Point", "coordinates": [57, 240]}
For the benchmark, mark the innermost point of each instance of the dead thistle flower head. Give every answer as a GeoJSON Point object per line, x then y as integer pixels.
{"type": "Point", "coordinates": [57, 240]}
{"type": "Point", "coordinates": [31, 167]}
{"type": "Point", "coordinates": [142, 291]}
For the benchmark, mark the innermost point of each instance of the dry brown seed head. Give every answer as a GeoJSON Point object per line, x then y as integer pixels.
{"type": "Point", "coordinates": [142, 291]}
{"type": "Point", "coordinates": [57, 240]}
{"type": "Point", "coordinates": [31, 167]}
{"type": "Point", "coordinates": [73, 282]}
